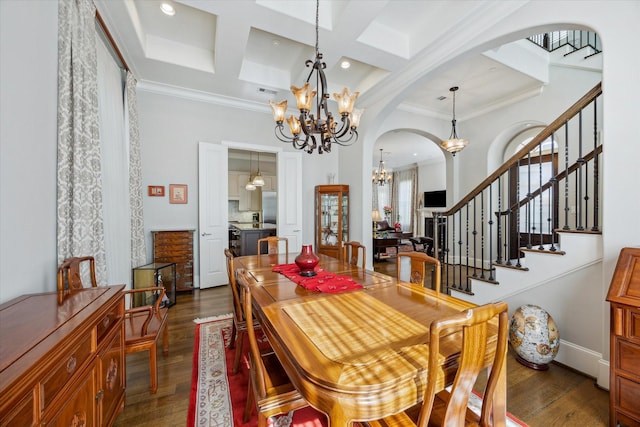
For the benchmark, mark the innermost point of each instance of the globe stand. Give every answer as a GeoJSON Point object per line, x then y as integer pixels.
{"type": "Point", "coordinates": [535, 366]}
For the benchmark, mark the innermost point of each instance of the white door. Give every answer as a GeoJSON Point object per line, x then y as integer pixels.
{"type": "Point", "coordinates": [213, 214]}
{"type": "Point", "coordinates": [290, 199]}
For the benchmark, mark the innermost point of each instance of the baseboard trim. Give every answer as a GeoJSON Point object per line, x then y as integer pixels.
{"type": "Point", "coordinates": [581, 359]}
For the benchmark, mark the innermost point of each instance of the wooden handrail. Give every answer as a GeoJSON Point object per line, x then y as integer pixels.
{"type": "Point", "coordinates": [543, 135]}
{"type": "Point", "coordinates": [547, 185]}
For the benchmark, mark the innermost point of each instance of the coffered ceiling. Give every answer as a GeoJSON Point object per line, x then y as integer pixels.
{"type": "Point", "coordinates": [249, 52]}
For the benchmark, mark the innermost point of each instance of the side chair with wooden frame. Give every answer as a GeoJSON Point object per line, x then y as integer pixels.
{"type": "Point", "coordinates": [273, 243]}
{"type": "Point", "coordinates": [270, 389]}
{"type": "Point", "coordinates": [143, 325]}
{"type": "Point", "coordinates": [449, 408]}
{"type": "Point", "coordinates": [418, 268]}
{"type": "Point", "coordinates": [351, 253]}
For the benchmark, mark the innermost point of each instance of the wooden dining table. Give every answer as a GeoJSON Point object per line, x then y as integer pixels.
{"type": "Point", "coordinates": [358, 355]}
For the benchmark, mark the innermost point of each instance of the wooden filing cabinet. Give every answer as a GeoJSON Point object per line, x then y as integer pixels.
{"type": "Point", "coordinates": [66, 361]}
{"type": "Point", "coordinates": [624, 376]}
{"type": "Point", "coordinates": [176, 246]}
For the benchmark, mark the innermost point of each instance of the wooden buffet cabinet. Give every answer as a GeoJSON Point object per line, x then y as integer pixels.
{"type": "Point", "coordinates": [624, 375]}
{"type": "Point", "coordinates": [176, 246]}
{"type": "Point", "coordinates": [62, 364]}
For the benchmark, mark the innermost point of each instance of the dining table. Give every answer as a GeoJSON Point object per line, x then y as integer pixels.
{"type": "Point", "coordinates": [360, 354]}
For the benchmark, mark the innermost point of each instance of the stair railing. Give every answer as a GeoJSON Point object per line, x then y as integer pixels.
{"type": "Point", "coordinates": [549, 185]}
{"type": "Point", "coordinates": [575, 40]}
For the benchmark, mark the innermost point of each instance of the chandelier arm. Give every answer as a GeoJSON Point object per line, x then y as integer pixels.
{"type": "Point", "coordinates": [346, 125]}
{"type": "Point", "coordinates": [347, 142]}
{"type": "Point", "coordinates": [281, 135]}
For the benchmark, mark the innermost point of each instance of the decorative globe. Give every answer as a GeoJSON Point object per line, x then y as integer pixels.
{"type": "Point", "coordinates": [534, 337]}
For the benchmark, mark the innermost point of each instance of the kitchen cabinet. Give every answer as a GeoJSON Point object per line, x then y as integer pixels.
{"type": "Point", "coordinates": [66, 362]}
{"type": "Point", "coordinates": [249, 234]}
{"type": "Point", "coordinates": [249, 200]}
{"type": "Point", "coordinates": [234, 185]}
{"type": "Point", "coordinates": [332, 218]}
{"type": "Point", "coordinates": [270, 183]}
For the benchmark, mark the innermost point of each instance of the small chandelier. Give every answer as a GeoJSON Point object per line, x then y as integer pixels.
{"type": "Point", "coordinates": [319, 131]}
{"type": "Point", "coordinates": [454, 144]}
{"type": "Point", "coordinates": [250, 185]}
{"type": "Point", "coordinates": [381, 176]}
{"type": "Point", "coordinates": [258, 180]}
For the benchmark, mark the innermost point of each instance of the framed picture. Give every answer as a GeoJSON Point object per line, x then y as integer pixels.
{"type": "Point", "coordinates": [177, 193]}
{"type": "Point", "coordinates": [156, 190]}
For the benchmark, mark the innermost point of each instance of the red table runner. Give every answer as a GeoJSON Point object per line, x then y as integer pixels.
{"type": "Point", "coordinates": [323, 281]}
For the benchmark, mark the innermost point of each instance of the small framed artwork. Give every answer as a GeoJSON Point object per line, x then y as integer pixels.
{"type": "Point", "coordinates": [156, 190]}
{"type": "Point", "coordinates": [177, 193]}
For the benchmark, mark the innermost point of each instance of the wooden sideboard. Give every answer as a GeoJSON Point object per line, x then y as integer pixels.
{"type": "Point", "coordinates": [176, 246]}
{"type": "Point", "coordinates": [624, 376]}
{"type": "Point", "coordinates": [62, 364]}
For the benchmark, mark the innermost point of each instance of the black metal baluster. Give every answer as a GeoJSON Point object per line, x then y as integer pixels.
{"type": "Point", "coordinates": [475, 235]}
{"type": "Point", "coordinates": [596, 169]}
{"type": "Point", "coordinates": [540, 246]}
{"type": "Point", "coordinates": [499, 230]}
{"type": "Point", "coordinates": [552, 195]}
{"type": "Point", "coordinates": [509, 221]}
{"type": "Point", "coordinates": [529, 210]}
{"type": "Point", "coordinates": [580, 163]}
{"type": "Point", "coordinates": [491, 276]}
{"type": "Point", "coordinates": [566, 176]}
{"type": "Point", "coordinates": [518, 210]}
{"type": "Point", "coordinates": [482, 233]}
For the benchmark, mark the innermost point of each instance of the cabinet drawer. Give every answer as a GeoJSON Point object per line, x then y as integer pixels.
{"type": "Point", "coordinates": [21, 414]}
{"type": "Point", "coordinates": [112, 318]}
{"type": "Point", "coordinates": [173, 239]}
{"type": "Point", "coordinates": [80, 407]}
{"type": "Point", "coordinates": [621, 420]}
{"type": "Point", "coordinates": [184, 254]}
{"type": "Point", "coordinates": [627, 357]}
{"type": "Point", "coordinates": [64, 369]}
{"type": "Point", "coordinates": [628, 396]}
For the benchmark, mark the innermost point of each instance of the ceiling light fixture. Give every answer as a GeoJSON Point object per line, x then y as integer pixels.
{"type": "Point", "coordinates": [454, 144]}
{"type": "Point", "coordinates": [250, 186]}
{"type": "Point", "coordinates": [167, 9]}
{"type": "Point", "coordinates": [380, 176]}
{"type": "Point", "coordinates": [258, 180]}
{"type": "Point", "coordinates": [324, 128]}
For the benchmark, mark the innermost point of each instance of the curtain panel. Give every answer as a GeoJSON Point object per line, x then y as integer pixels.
{"type": "Point", "coordinates": [80, 228]}
{"type": "Point", "coordinates": [138, 243]}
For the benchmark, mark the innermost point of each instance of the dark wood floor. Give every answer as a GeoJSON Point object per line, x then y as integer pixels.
{"type": "Point", "coordinates": [557, 397]}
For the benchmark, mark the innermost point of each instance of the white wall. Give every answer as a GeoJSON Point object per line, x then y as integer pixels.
{"type": "Point", "coordinates": [28, 88]}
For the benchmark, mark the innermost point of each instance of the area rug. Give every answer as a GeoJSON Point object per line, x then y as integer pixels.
{"type": "Point", "coordinates": [218, 397]}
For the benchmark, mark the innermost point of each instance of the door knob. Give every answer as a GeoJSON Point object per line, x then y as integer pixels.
{"type": "Point", "coordinates": [206, 234]}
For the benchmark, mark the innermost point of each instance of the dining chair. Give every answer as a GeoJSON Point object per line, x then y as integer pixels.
{"type": "Point", "coordinates": [270, 390]}
{"type": "Point", "coordinates": [449, 407]}
{"type": "Point", "coordinates": [418, 262]}
{"type": "Point", "coordinates": [144, 325]}
{"type": "Point", "coordinates": [272, 243]}
{"type": "Point", "coordinates": [239, 319]}
{"type": "Point", "coordinates": [351, 252]}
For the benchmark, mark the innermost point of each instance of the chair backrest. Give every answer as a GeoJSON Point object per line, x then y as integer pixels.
{"type": "Point", "coordinates": [237, 301]}
{"type": "Point", "coordinates": [273, 244]}
{"type": "Point", "coordinates": [418, 268]}
{"type": "Point", "coordinates": [72, 270]}
{"type": "Point", "coordinates": [244, 281]}
{"type": "Point", "coordinates": [351, 253]}
{"type": "Point", "coordinates": [475, 323]}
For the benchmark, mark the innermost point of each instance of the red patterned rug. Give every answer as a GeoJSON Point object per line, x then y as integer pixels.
{"type": "Point", "coordinates": [218, 398]}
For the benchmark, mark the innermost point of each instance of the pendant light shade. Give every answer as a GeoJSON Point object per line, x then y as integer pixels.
{"type": "Point", "coordinates": [454, 144]}
{"type": "Point", "coordinates": [249, 186]}
{"type": "Point", "coordinates": [258, 180]}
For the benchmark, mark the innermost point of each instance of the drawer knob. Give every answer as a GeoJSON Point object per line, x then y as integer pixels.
{"type": "Point", "coordinates": [71, 364]}
{"type": "Point", "coordinates": [105, 321]}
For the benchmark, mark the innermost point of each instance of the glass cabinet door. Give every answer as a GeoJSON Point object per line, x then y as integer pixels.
{"type": "Point", "coordinates": [332, 218]}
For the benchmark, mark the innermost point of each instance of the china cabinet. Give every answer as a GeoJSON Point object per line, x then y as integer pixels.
{"type": "Point", "coordinates": [332, 218]}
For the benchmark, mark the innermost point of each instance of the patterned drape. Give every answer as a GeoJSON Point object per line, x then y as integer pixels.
{"type": "Point", "coordinates": [138, 244]}
{"type": "Point", "coordinates": [80, 228]}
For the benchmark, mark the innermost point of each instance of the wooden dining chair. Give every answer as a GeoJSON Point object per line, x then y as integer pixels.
{"type": "Point", "coordinates": [239, 318]}
{"type": "Point", "coordinates": [143, 325]}
{"type": "Point", "coordinates": [419, 264]}
{"type": "Point", "coordinates": [272, 244]}
{"type": "Point", "coordinates": [270, 390]}
{"type": "Point", "coordinates": [351, 253]}
{"type": "Point", "coordinates": [449, 407]}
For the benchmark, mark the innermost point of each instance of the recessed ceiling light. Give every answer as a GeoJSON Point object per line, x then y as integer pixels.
{"type": "Point", "coordinates": [345, 65]}
{"type": "Point", "coordinates": [167, 9]}
{"type": "Point", "coordinates": [276, 42]}
{"type": "Point", "coordinates": [415, 154]}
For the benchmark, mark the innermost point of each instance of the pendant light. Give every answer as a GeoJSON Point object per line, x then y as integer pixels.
{"type": "Point", "coordinates": [249, 186]}
{"type": "Point", "coordinates": [454, 144]}
{"type": "Point", "coordinates": [381, 176]}
{"type": "Point", "coordinates": [258, 180]}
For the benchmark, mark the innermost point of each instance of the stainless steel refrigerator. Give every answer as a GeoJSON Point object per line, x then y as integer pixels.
{"type": "Point", "coordinates": [269, 207]}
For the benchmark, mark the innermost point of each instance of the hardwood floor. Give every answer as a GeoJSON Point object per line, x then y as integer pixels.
{"type": "Point", "coordinates": [557, 397]}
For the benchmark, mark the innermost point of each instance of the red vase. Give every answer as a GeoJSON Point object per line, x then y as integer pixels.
{"type": "Point", "coordinates": [306, 261]}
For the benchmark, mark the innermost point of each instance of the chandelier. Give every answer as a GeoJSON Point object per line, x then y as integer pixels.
{"type": "Point", "coordinates": [319, 131]}
{"type": "Point", "coordinates": [454, 144]}
{"type": "Point", "coordinates": [380, 176]}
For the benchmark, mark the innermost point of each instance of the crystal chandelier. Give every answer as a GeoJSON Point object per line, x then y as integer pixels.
{"type": "Point", "coordinates": [321, 130]}
{"type": "Point", "coordinates": [454, 144]}
{"type": "Point", "coordinates": [380, 176]}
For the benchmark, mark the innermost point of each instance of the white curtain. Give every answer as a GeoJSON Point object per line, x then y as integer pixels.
{"type": "Point", "coordinates": [80, 228]}
{"type": "Point", "coordinates": [138, 242]}
{"type": "Point", "coordinates": [404, 197]}
{"type": "Point", "coordinates": [115, 167]}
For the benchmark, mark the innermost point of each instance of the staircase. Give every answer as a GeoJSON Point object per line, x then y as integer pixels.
{"type": "Point", "coordinates": [535, 220]}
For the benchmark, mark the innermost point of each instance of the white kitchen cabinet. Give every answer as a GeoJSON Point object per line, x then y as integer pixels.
{"type": "Point", "coordinates": [234, 185]}
{"type": "Point", "coordinates": [270, 183]}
